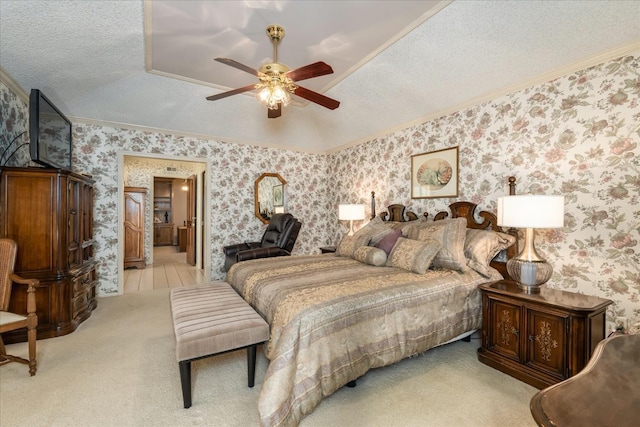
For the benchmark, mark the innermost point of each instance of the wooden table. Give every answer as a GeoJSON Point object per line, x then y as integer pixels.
{"type": "Point", "coordinates": [605, 393]}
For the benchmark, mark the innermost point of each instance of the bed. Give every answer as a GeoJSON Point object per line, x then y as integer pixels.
{"type": "Point", "coordinates": [333, 317]}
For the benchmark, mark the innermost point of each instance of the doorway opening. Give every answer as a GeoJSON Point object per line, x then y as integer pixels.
{"type": "Point", "coordinates": [172, 235]}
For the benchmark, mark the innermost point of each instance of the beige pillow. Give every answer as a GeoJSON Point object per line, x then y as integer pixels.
{"type": "Point", "coordinates": [402, 226]}
{"type": "Point", "coordinates": [451, 234]}
{"type": "Point", "coordinates": [370, 255]}
{"type": "Point", "coordinates": [481, 246]}
{"type": "Point", "coordinates": [375, 230]}
{"type": "Point", "coordinates": [349, 244]}
{"type": "Point", "coordinates": [413, 255]}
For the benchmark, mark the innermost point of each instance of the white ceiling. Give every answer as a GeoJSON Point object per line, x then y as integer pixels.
{"type": "Point", "coordinates": [395, 62]}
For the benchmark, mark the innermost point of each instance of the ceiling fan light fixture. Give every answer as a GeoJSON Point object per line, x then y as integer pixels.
{"type": "Point", "coordinates": [274, 91]}
{"type": "Point", "coordinates": [277, 80]}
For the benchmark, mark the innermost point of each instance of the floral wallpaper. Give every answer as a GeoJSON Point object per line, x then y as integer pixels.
{"type": "Point", "coordinates": [576, 135]}
{"type": "Point", "coordinates": [234, 169]}
{"type": "Point", "coordinates": [14, 129]}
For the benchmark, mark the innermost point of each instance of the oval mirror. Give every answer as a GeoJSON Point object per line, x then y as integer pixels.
{"type": "Point", "coordinates": [269, 193]}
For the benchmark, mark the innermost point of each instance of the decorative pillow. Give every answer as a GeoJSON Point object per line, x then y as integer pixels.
{"type": "Point", "coordinates": [349, 244]}
{"type": "Point", "coordinates": [413, 255]}
{"type": "Point", "coordinates": [375, 230]}
{"type": "Point", "coordinates": [370, 255]}
{"type": "Point", "coordinates": [481, 246]}
{"type": "Point", "coordinates": [451, 234]}
{"type": "Point", "coordinates": [401, 225]}
{"type": "Point", "coordinates": [388, 241]}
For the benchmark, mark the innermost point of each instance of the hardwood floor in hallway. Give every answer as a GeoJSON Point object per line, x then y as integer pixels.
{"type": "Point", "coordinates": [169, 270]}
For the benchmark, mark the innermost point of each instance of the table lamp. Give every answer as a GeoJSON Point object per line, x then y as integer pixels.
{"type": "Point", "coordinates": [350, 213]}
{"type": "Point", "coordinates": [529, 269]}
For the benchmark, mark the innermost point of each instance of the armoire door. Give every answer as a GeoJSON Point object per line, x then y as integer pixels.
{"type": "Point", "coordinates": [134, 218]}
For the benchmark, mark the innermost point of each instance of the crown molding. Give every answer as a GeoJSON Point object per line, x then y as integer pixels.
{"type": "Point", "coordinates": [82, 120]}
{"type": "Point", "coordinates": [6, 78]}
{"type": "Point", "coordinates": [585, 63]}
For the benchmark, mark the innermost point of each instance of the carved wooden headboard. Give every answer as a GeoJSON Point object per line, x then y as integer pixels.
{"type": "Point", "coordinates": [467, 210]}
{"type": "Point", "coordinates": [398, 213]}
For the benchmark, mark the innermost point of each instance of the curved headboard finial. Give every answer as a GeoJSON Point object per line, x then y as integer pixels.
{"type": "Point", "coordinates": [373, 205]}
{"type": "Point", "coordinates": [512, 185]}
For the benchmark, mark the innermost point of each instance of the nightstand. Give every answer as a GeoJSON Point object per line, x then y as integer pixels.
{"type": "Point", "coordinates": [327, 249]}
{"type": "Point", "coordinates": [540, 338]}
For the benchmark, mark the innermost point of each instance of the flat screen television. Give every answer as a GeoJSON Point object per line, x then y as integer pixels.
{"type": "Point", "coordinates": [49, 133]}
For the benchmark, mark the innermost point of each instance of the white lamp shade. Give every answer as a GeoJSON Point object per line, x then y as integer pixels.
{"type": "Point", "coordinates": [350, 212]}
{"type": "Point", "coordinates": [531, 211]}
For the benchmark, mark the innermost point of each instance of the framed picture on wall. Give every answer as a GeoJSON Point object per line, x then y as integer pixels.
{"type": "Point", "coordinates": [435, 174]}
{"type": "Point", "coordinates": [277, 195]}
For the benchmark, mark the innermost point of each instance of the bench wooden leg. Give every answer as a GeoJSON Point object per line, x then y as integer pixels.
{"type": "Point", "coordinates": [251, 363]}
{"type": "Point", "coordinates": [185, 379]}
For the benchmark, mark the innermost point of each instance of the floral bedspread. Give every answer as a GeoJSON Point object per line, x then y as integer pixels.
{"type": "Point", "coordinates": [333, 318]}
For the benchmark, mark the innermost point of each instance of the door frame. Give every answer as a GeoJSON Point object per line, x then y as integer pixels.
{"type": "Point", "coordinates": [203, 245]}
{"type": "Point", "coordinates": [192, 214]}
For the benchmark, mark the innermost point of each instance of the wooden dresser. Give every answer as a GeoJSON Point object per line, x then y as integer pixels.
{"type": "Point", "coordinates": [49, 213]}
{"type": "Point", "coordinates": [134, 219]}
{"type": "Point", "coordinates": [540, 338]}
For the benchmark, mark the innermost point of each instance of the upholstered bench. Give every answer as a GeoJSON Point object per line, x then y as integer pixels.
{"type": "Point", "coordinates": [210, 320]}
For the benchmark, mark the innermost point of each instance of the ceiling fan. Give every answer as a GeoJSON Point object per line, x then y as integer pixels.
{"type": "Point", "coordinates": [277, 80]}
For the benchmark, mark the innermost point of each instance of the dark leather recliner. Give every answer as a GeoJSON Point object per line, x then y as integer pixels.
{"type": "Point", "coordinates": [278, 240]}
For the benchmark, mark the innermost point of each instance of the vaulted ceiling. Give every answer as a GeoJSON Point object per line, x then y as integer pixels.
{"type": "Point", "coordinates": [150, 63]}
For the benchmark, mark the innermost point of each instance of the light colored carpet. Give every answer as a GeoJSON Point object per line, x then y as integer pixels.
{"type": "Point", "coordinates": [119, 369]}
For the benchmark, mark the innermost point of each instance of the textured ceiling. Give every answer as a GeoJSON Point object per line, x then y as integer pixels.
{"type": "Point", "coordinates": [151, 64]}
{"type": "Point", "coordinates": [184, 37]}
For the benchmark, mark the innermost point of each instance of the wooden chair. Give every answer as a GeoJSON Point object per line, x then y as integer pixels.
{"type": "Point", "coordinates": [11, 321]}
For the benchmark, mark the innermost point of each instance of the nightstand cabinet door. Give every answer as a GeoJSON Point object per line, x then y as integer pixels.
{"type": "Point", "coordinates": [547, 342]}
{"type": "Point", "coordinates": [504, 329]}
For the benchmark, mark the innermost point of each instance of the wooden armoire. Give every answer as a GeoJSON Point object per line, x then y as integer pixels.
{"type": "Point", "coordinates": [134, 219]}
{"type": "Point", "coordinates": [49, 213]}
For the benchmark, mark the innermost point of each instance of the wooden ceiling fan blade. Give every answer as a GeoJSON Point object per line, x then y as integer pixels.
{"type": "Point", "coordinates": [231, 92]}
{"type": "Point", "coordinates": [316, 69]}
{"type": "Point", "coordinates": [319, 99]}
{"type": "Point", "coordinates": [239, 66]}
{"type": "Point", "coordinates": [274, 114]}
